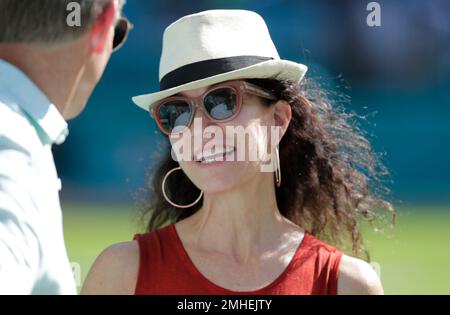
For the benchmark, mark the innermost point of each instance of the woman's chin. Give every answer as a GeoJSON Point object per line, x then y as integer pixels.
{"type": "Point", "coordinates": [217, 183]}
{"type": "Point", "coordinates": [217, 188]}
{"type": "Point", "coordinates": [218, 176]}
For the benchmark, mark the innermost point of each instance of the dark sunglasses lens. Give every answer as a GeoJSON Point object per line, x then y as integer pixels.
{"type": "Point", "coordinates": [221, 103]}
{"type": "Point", "coordinates": [120, 33]}
{"type": "Point", "coordinates": [174, 115]}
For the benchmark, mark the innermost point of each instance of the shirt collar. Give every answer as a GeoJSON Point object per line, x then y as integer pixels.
{"type": "Point", "coordinates": [33, 101]}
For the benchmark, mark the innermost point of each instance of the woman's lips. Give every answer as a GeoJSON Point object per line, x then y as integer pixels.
{"type": "Point", "coordinates": [211, 157]}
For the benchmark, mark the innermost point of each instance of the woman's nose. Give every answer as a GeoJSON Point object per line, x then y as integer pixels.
{"type": "Point", "coordinates": [200, 113]}
{"type": "Point", "coordinates": [202, 120]}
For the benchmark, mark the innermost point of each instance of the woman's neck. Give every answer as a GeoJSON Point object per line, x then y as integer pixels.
{"type": "Point", "coordinates": [239, 222]}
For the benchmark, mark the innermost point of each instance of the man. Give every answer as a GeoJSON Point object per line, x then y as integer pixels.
{"type": "Point", "coordinates": [48, 69]}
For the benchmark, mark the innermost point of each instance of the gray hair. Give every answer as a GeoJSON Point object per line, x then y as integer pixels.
{"type": "Point", "coordinates": [45, 21]}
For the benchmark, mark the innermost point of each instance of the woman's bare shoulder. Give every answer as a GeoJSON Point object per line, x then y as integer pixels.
{"type": "Point", "coordinates": [114, 271]}
{"type": "Point", "coordinates": [357, 277]}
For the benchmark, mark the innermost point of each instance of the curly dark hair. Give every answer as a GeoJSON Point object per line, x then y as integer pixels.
{"type": "Point", "coordinates": [334, 177]}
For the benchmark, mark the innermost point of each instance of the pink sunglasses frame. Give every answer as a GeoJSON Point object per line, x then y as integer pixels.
{"type": "Point", "coordinates": [239, 87]}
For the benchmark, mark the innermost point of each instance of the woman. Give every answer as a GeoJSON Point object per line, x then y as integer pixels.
{"type": "Point", "coordinates": [220, 224]}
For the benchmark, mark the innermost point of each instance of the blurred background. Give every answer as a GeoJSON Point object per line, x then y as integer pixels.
{"type": "Point", "coordinates": [397, 75]}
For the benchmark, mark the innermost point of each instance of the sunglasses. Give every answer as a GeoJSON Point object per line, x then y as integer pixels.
{"type": "Point", "coordinates": [121, 30]}
{"type": "Point", "coordinates": [220, 103]}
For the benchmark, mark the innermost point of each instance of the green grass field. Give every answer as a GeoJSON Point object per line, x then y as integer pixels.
{"type": "Point", "coordinates": [414, 257]}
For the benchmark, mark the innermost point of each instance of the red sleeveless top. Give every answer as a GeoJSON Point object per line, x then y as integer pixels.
{"type": "Point", "coordinates": [165, 268]}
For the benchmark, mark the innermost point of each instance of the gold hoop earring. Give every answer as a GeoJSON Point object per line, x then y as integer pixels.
{"type": "Point", "coordinates": [167, 198]}
{"type": "Point", "coordinates": [277, 167]}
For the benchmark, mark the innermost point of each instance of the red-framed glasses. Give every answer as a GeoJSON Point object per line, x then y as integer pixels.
{"type": "Point", "coordinates": [221, 103]}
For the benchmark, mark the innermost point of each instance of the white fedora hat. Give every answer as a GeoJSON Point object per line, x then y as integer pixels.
{"type": "Point", "coordinates": [216, 46]}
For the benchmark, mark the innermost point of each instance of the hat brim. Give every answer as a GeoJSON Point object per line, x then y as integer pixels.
{"type": "Point", "coordinates": [274, 69]}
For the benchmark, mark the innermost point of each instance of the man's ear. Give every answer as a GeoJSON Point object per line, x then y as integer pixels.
{"type": "Point", "coordinates": [282, 116]}
{"type": "Point", "coordinates": [99, 32]}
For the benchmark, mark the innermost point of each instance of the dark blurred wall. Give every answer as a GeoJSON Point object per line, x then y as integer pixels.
{"type": "Point", "coordinates": [398, 73]}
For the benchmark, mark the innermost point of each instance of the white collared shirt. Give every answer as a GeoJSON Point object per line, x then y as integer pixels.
{"type": "Point", "coordinates": [33, 257]}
